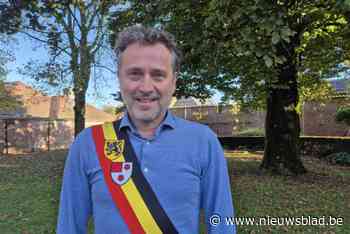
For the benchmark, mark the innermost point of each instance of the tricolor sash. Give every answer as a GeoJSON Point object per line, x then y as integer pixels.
{"type": "Point", "coordinates": [130, 191]}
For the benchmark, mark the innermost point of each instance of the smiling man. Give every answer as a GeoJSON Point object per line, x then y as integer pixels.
{"type": "Point", "coordinates": [147, 83]}
{"type": "Point", "coordinates": [150, 172]}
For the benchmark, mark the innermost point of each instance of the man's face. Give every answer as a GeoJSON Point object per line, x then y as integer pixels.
{"type": "Point", "coordinates": [147, 81]}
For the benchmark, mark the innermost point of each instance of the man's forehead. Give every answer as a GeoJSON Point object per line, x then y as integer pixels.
{"type": "Point", "coordinates": [136, 68]}
{"type": "Point", "coordinates": [137, 53]}
{"type": "Point", "coordinates": [147, 45]}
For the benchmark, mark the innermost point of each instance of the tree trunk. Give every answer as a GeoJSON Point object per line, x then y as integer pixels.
{"type": "Point", "coordinates": [81, 73]}
{"type": "Point", "coordinates": [79, 112]}
{"type": "Point", "coordinates": [282, 124]}
{"type": "Point", "coordinates": [81, 81]}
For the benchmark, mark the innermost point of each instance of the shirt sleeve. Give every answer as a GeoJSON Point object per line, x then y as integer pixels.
{"type": "Point", "coordinates": [75, 203]}
{"type": "Point", "coordinates": [216, 198]}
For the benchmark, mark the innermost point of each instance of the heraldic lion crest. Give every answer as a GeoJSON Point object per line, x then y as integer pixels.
{"type": "Point", "coordinates": [114, 149]}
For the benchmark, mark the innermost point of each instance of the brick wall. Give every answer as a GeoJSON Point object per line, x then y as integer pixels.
{"type": "Point", "coordinates": [319, 119]}
{"type": "Point", "coordinates": [30, 135]}
{"type": "Point", "coordinates": [223, 120]}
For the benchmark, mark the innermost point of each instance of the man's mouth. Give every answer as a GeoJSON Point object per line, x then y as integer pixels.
{"type": "Point", "coordinates": [146, 100]}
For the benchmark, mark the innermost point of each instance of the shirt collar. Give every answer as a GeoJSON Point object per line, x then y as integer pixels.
{"type": "Point", "coordinates": [169, 121]}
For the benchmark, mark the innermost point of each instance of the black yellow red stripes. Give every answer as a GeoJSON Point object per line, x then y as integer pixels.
{"type": "Point", "coordinates": [117, 194]}
{"type": "Point", "coordinates": [136, 201]}
{"type": "Point", "coordinates": [144, 187]}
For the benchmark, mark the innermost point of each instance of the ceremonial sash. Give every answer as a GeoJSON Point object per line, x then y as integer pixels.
{"type": "Point", "coordinates": [130, 191]}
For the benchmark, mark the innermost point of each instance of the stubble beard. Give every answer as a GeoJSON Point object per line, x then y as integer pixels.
{"type": "Point", "coordinates": [147, 116]}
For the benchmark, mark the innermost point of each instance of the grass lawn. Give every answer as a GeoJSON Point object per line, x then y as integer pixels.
{"type": "Point", "coordinates": [30, 185]}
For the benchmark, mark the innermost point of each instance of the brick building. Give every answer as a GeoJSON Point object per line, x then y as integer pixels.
{"type": "Point", "coordinates": [225, 120]}
{"type": "Point", "coordinates": [318, 119]}
{"type": "Point", "coordinates": [47, 121]}
{"type": "Point", "coordinates": [42, 121]}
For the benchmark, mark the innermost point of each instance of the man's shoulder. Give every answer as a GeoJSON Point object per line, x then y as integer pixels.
{"type": "Point", "coordinates": [85, 140]}
{"type": "Point", "coordinates": [84, 136]}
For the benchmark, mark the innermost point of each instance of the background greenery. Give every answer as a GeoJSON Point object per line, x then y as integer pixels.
{"type": "Point", "coordinates": [30, 186]}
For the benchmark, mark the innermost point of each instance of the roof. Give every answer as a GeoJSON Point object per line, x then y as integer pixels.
{"type": "Point", "coordinates": [37, 104]}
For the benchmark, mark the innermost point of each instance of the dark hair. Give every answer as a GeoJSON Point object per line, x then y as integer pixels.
{"type": "Point", "coordinates": [147, 36]}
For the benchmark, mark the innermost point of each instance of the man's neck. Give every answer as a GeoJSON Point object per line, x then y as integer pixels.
{"type": "Point", "coordinates": [148, 129]}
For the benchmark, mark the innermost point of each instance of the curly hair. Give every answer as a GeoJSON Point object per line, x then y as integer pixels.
{"type": "Point", "coordinates": [147, 36]}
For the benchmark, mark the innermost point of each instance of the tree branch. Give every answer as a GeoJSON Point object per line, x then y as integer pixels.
{"type": "Point", "coordinates": [69, 30]}
{"type": "Point", "coordinates": [73, 15]}
{"type": "Point", "coordinates": [35, 30]}
{"type": "Point", "coordinates": [99, 36]}
{"type": "Point", "coordinates": [43, 41]}
{"type": "Point", "coordinates": [104, 67]}
{"type": "Point", "coordinates": [92, 18]}
{"type": "Point", "coordinates": [59, 52]}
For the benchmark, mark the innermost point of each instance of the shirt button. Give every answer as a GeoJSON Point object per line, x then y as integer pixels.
{"type": "Point", "coordinates": [145, 170]}
{"type": "Point", "coordinates": [147, 142]}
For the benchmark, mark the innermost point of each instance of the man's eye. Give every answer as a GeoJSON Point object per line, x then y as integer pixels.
{"type": "Point", "coordinates": [135, 76]}
{"type": "Point", "coordinates": [158, 77]}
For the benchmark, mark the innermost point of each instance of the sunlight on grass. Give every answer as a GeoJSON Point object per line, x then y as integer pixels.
{"type": "Point", "coordinates": [30, 186]}
{"type": "Point", "coordinates": [243, 154]}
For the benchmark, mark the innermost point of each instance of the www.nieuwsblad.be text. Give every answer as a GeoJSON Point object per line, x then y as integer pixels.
{"type": "Point", "coordinates": [215, 220]}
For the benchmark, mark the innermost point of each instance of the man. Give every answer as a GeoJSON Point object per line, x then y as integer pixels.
{"type": "Point", "coordinates": [150, 172]}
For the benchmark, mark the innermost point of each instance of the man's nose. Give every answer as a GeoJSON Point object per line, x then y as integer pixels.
{"type": "Point", "coordinates": [147, 84]}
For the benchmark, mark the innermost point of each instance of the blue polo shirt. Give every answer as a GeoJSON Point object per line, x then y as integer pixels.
{"type": "Point", "coordinates": [184, 164]}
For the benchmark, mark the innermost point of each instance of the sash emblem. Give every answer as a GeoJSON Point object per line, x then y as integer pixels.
{"type": "Point", "coordinates": [121, 172]}
{"type": "Point", "coordinates": [114, 149]}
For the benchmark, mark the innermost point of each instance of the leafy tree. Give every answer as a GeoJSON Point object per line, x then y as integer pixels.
{"type": "Point", "coordinates": [343, 115]}
{"type": "Point", "coordinates": [10, 18]}
{"type": "Point", "coordinates": [258, 52]}
{"type": "Point", "coordinates": [7, 102]}
{"type": "Point", "coordinates": [3, 60]}
{"type": "Point", "coordinates": [7, 27]}
{"type": "Point", "coordinates": [75, 35]}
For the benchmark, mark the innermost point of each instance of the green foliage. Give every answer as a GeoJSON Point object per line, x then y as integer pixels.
{"type": "Point", "coordinates": [5, 54]}
{"type": "Point", "coordinates": [109, 109]}
{"type": "Point", "coordinates": [234, 46]}
{"type": "Point", "coordinates": [341, 158]}
{"type": "Point", "coordinates": [10, 18]}
{"type": "Point", "coordinates": [72, 32]}
{"type": "Point", "coordinates": [343, 115]}
{"type": "Point", "coordinates": [252, 132]}
{"type": "Point", "coordinates": [258, 53]}
{"type": "Point", "coordinates": [120, 109]}
{"type": "Point", "coordinates": [7, 102]}
{"type": "Point", "coordinates": [49, 77]}
{"type": "Point", "coordinates": [313, 89]}
{"type": "Point", "coordinates": [3, 71]}
{"type": "Point", "coordinates": [117, 111]}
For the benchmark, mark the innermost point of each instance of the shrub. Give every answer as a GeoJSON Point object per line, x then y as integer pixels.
{"type": "Point", "coordinates": [343, 115]}
{"type": "Point", "coordinates": [341, 158]}
{"type": "Point", "coordinates": [252, 132]}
